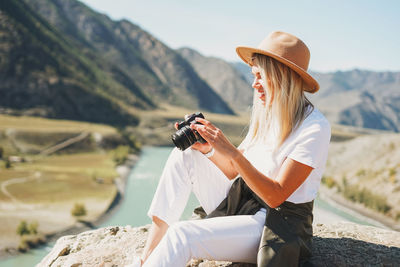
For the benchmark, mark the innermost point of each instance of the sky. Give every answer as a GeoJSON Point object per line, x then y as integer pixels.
{"type": "Point", "coordinates": [341, 35]}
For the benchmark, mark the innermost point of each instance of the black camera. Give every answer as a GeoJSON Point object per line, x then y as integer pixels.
{"type": "Point", "coordinates": [185, 136]}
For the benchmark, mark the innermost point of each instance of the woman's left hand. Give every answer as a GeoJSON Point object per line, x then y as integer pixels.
{"type": "Point", "coordinates": [215, 138]}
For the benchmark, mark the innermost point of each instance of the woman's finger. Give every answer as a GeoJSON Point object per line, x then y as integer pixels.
{"type": "Point", "coordinates": [202, 130]}
{"type": "Point", "coordinates": [207, 128]}
{"type": "Point", "coordinates": [211, 131]}
{"type": "Point", "coordinates": [206, 122]}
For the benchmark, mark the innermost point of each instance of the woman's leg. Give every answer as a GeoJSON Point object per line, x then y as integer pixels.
{"type": "Point", "coordinates": [184, 172]}
{"type": "Point", "coordinates": [232, 238]}
{"type": "Point", "coordinates": [157, 230]}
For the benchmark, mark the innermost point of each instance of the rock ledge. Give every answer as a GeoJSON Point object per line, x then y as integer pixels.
{"type": "Point", "coordinates": [340, 244]}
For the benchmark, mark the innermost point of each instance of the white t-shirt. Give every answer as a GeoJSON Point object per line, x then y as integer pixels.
{"type": "Point", "coordinates": [308, 144]}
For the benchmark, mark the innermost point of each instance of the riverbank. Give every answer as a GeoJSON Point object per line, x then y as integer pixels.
{"type": "Point", "coordinates": [373, 217]}
{"type": "Point", "coordinates": [77, 227]}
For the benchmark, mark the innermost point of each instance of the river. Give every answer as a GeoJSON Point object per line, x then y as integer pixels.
{"type": "Point", "coordinates": [141, 185]}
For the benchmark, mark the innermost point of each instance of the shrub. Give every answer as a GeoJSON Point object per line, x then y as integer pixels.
{"type": "Point", "coordinates": [366, 197]}
{"type": "Point", "coordinates": [1, 152]}
{"type": "Point", "coordinates": [32, 228]}
{"type": "Point", "coordinates": [328, 181]}
{"type": "Point", "coordinates": [134, 143]}
{"type": "Point", "coordinates": [392, 172]}
{"type": "Point", "coordinates": [130, 140]}
{"type": "Point", "coordinates": [360, 172]}
{"type": "Point", "coordinates": [78, 210]}
{"type": "Point", "coordinates": [30, 241]}
{"type": "Point", "coordinates": [22, 228]}
{"type": "Point", "coordinates": [120, 154]}
{"type": "Point", "coordinates": [7, 164]}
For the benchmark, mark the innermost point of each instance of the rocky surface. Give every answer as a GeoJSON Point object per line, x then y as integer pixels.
{"type": "Point", "coordinates": [341, 244]}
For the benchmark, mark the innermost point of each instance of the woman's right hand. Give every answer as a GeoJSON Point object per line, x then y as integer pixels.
{"type": "Point", "coordinates": [203, 148]}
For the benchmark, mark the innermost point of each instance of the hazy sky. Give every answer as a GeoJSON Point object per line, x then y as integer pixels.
{"type": "Point", "coordinates": [341, 34]}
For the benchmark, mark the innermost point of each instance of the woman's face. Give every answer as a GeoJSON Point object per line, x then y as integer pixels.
{"type": "Point", "coordinates": [258, 83]}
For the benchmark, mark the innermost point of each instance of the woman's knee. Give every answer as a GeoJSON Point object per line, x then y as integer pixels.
{"type": "Point", "coordinates": [181, 158]}
{"type": "Point", "coordinates": [159, 222]}
{"type": "Point", "coordinates": [185, 233]}
{"type": "Point", "coordinates": [179, 231]}
{"type": "Point", "coordinates": [179, 236]}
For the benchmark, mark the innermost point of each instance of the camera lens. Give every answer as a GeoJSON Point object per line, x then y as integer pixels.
{"type": "Point", "coordinates": [184, 138]}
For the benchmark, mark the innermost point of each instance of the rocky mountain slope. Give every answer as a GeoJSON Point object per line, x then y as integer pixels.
{"type": "Point", "coordinates": [161, 73]}
{"type": "Point", "coordinates": [226, 80]}
{"type": "Point", "coordinates": [361, 98]}
{"type": "Point", "coordinates": [366, 170]}
{"type": "Point", "coordinates": [43, 73]}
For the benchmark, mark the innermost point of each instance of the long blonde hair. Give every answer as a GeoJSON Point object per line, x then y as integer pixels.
{"type": "Point", "coordinates": [277, 119]}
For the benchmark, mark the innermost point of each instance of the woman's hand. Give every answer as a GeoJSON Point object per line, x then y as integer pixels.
{"type": "Point", "coordinates": [215, 138]}
{"type": "Point", "coordinates": [203, 148]}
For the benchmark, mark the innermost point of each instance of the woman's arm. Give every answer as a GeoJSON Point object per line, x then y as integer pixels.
{"type": "Point", "coordinates": [224, 164]}
{"type": "Point", "coordinates": [273, 192]}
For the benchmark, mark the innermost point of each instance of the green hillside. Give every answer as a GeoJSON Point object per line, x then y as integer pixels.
{"type": "Point", "coordinates": [43, 73]}
{"type": "Point", "coordinates": [134, 54]}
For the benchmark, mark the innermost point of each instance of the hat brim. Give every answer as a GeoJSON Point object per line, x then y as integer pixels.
{"type": "Point", "coordinates": [245, 53]}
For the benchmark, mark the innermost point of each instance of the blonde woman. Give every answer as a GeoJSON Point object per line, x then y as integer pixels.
{"type": "Point", "coordinates": [258, 197]}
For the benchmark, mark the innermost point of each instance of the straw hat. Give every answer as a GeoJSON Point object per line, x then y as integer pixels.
{"type": "Point", "coordinates": [285, 48]}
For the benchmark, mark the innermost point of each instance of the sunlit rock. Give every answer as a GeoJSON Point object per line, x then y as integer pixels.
{"type": "Point", "coordinates": [340, 244]}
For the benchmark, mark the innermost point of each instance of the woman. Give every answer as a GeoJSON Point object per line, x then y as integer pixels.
{"type": "Point", "coordinates": [280, 165]}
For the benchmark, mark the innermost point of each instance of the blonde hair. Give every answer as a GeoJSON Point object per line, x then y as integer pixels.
{"type": "Point", "coordinates": [285, 106]}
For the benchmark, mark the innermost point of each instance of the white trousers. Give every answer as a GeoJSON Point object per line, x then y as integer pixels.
{"type": "Point", "coordinates": [232, 238]}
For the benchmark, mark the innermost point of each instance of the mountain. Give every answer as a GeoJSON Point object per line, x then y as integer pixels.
{"type": "Point", "coordinates": [226, 80]}
{"type": "Point", "coordinates": [359, 98]}
{"type": "Point", "coordinates": [43, 73]}
{"type": "Point", "coordinates": [161, 73]}
{"type": "Point", "coordinates": [245, 70]}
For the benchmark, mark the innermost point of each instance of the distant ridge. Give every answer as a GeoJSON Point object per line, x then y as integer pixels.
{"type": "Point", "coordinates": [360, 98]}
{"type": "Point", "coordinates": [226, 80]}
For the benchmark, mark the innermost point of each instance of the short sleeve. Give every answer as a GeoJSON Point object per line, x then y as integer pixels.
{"type": "Point", "coordinates": [312, 143]}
